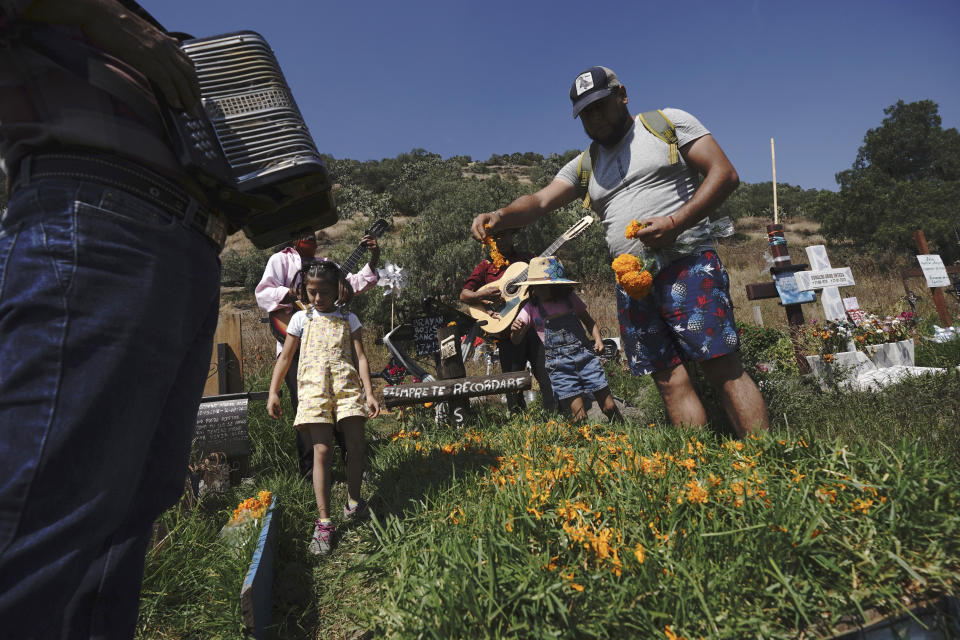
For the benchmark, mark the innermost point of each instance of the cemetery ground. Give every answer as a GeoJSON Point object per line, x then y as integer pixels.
{"type": "Point", "coordinates": [847, 511]}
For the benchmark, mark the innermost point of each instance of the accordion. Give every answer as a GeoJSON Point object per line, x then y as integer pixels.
{"type": "Point", "coordinates": [251, 145]}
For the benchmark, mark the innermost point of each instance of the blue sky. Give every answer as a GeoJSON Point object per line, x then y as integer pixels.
{"type": "Point", "coordinates": [375, 79]}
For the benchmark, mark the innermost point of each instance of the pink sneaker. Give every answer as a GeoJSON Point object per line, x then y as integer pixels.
{"type": "Point", "coordinates": [322, 541]}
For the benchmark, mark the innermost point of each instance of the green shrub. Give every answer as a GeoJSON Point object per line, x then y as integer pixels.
{"type": "Point", "coordinates": [762, 345]}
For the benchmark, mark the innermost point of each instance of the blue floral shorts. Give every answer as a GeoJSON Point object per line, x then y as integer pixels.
{"type": "Point", "coordinates": [687, 316]}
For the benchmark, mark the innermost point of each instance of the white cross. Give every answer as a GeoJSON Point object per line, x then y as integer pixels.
{"type": "Point", "coordinates": [833, 308]}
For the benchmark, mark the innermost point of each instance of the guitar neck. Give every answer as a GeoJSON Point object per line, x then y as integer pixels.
{"type": "Point", "coordinates": [559, 242]}
{"type": "Point", "coordinates": [351, 262]}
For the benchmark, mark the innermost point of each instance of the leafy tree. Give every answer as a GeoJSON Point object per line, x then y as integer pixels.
{"type": "Point", "coordinates": [906, 176]}
{"type": "Point", "coordinates": [756, 199]}
{"type": "Point", "coordinates": [352, 199]}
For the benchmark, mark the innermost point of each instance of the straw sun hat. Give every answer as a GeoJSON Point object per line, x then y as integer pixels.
{"type": "Point", "coordinates": [545, 270]}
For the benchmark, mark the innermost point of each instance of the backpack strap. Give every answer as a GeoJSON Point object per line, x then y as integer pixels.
{"type": "Point", "coordinates": [656, 122]}
{"type": "Point", "coordinates": [659, 125]}
{"type": "Point", "coordinates": [585, 169]}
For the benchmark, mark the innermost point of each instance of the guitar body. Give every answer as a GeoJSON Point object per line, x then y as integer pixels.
{"type": "Point", "coordinates": [279, 320]}
{"type": "Point", "coordinates": [499, 320]}
{"type": "Point", "coordinates": [507, 312]}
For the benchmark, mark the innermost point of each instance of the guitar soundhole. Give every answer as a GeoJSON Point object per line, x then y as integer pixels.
{"type": "Point", "coordinates": [511, 289]}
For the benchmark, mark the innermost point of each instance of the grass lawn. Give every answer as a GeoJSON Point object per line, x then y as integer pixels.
{"type": "Point", "coordinates": [533, 527]}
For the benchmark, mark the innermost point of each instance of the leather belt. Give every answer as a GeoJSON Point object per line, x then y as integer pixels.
{"type": "Point", "coordinates": [130, 178]}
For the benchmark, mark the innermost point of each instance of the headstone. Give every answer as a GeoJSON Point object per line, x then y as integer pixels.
{"type": "Point", "coordinates": [425, 334]}
{"type": "Point", "coordinates": [824, 276]}
{"type": "Point", "coordinates": [222, 426]}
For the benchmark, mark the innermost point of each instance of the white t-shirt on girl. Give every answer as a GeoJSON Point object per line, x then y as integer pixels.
{"type": "Point", "coordinates": [299, 321]}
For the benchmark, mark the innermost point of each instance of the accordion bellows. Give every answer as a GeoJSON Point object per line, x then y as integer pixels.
{"type": "Point", "coordinates": [282, 186]}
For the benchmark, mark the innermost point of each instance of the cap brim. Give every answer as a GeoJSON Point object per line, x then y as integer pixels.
{"type": "Point", "coordinates": [586, 101]}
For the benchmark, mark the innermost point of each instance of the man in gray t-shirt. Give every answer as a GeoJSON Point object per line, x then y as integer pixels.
{"type": "Point", "coordinates": [687, 315]}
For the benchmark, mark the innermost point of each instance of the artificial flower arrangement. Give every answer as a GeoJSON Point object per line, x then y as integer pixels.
{"type": "Point", "coordinates": [874, 330]}
{"type": "Point", "coordinates": [635, 276]}
{"type": "Point", "coordinates": [834, 336]}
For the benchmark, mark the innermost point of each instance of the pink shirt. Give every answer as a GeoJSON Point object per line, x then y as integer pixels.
{"type": "Point", "coordinates": [279, 273]}
{"type": "Point", "coordinates": [530, 313]}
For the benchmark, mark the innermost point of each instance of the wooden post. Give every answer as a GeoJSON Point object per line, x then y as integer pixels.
{"type": "Point", "coordinates": [938, 300]}
{"type": "Point", "coordinates": [762, 290]}
{"type": "Point", "coordinates": [773, 162]}
{"type": "Point", "coordinates": [226, 366]}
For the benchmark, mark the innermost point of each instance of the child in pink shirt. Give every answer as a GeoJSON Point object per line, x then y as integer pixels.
{"type": "Point", "coordinates": [559, 317]}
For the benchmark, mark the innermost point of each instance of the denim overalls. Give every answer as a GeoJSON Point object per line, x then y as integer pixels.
{"type": "Point", "coordinates": [573, 367]}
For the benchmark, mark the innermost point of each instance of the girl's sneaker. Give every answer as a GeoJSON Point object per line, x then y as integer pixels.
{"type": "Point", "coordinates": [359, 512]}
{"type": "Point", "coordinates": [322, 541]}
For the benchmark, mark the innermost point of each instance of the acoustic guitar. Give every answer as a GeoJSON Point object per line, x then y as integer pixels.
{"type": "Point", "coordinates": [497, 319]}
{"type": "Point", "coordinates": [280, 318]}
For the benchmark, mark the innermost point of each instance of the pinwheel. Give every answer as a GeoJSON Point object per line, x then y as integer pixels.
{"type": "Point", "coordinates": [392, 279]}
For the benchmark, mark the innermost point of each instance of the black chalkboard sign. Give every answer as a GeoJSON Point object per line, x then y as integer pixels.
{"type": "Point", "coordinates": [222, 426]}
{"type": "Point", "coordinates": [425, 334]}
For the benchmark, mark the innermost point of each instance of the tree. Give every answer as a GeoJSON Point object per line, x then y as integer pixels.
{"type": "Point", "coordinates": [906, 176]}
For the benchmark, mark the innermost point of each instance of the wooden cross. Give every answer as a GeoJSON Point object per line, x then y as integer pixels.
{"type": "Point", "coordinates": [938, 299]}
{"type": "Point", "coordinates": [765, 290]}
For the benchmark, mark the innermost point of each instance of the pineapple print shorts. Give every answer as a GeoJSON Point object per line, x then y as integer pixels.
{"type": "Point", "coordinates": [687, 316]}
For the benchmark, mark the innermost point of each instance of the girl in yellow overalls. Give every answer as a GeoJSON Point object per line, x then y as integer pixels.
{"type": "Point", "coordinates": [332, 368]}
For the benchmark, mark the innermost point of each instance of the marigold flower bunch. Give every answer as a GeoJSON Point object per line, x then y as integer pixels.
{"type": "Point", "coordinates": [252, 508]}
{"type": "Point", "coordinates": [634, 275]}
{"type": "Point", "coordinates": [495, 256]}
{"type": "Point", "coordinates": [633, 228]}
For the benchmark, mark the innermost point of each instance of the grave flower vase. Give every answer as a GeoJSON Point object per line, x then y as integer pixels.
{"type": "Point", "coordinates": [891, 354]}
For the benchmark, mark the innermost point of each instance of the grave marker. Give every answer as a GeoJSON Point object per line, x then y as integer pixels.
{"type": "Point", "coordinates": [221, 427]}
{"type": "Point", "coordinates": [451, 367]}
{"type": "Point", "coordinates": [938, 299]}
{"type": "Point", "coordinates": [255, 594]}
{"type": "Point", "coordinates": [764, 290]}
{"type": "Point", "coordinates": [823, 276]}
{"type": "Point", "coordinates": [456, 388]}
{"type": "Point", "coordinates": [425, 334]}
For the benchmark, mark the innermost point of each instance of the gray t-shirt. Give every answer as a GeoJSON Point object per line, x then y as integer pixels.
{"type": "Point", "coordinates": [634, 179]}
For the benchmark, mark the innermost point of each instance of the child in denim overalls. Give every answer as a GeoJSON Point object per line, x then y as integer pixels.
{"type": "Point", "coordinates": [560, 316]}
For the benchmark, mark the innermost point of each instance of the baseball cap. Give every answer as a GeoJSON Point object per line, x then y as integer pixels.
{"type": "Point", "coordinates": [593, 84]}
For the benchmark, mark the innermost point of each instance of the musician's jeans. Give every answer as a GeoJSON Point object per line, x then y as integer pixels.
{"type": "Point", "coordinates": [514, 357]}
{"type": "Point", "coordinates": [108, 307]}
